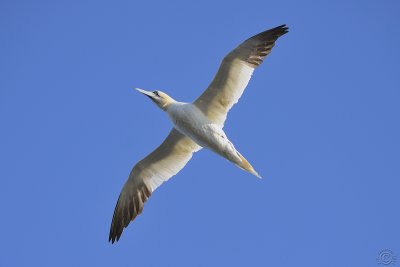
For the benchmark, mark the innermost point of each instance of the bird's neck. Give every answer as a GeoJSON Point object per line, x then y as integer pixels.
{"type": "Point", "coordinates": [168, 101]}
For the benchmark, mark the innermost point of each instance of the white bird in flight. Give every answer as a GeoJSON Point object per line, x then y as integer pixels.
{"type": "Point", "coordinates": [196, 125]}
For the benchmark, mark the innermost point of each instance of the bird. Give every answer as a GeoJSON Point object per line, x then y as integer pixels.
{"type": "Point", "coordinates": [196, 125]}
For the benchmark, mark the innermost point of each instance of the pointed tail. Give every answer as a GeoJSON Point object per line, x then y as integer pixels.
{"type": "Point", "coordinates": [245, 165]}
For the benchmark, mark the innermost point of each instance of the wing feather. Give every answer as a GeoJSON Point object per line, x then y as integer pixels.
{"type": "Point", "coordinates": [148, 174]}
{"type": "Point", "coordinates": [234, 74]}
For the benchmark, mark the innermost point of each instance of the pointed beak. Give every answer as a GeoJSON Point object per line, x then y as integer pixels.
{"type": "Point", "coordinates": [146, 93]}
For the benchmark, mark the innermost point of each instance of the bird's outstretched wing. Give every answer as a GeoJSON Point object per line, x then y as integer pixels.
{"type": "Point", "coordinates": [234, 74]}
{"type": "Point", "coordinates": [149, 173]}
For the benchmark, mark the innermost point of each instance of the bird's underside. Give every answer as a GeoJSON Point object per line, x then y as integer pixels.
{"type": "Point", "coordinates": [190, 121]}
{"type": "Point", "coordinates": [196, 125]}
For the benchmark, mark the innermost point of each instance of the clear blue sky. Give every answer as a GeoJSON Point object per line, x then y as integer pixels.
{"type": "Point", "coordinates": [319, 121]}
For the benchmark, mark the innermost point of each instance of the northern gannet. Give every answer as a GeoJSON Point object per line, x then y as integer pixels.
{"type": "Point", "coordinates": [196, 125]}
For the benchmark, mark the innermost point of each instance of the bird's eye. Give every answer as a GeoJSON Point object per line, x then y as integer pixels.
{"type": "Point", "coordinates": [156, 93]}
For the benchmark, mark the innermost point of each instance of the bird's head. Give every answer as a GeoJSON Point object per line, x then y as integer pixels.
{"type": "Point", "coordinates": [161, 99]}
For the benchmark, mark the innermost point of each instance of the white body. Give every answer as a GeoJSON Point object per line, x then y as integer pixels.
{"type": "Point", "coordinates": [192, 122]}
{"type": "Point", "coordinates": [196, 125]}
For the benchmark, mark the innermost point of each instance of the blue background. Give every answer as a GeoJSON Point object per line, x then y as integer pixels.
{"type": "Point", "coordinates": [319, 121]}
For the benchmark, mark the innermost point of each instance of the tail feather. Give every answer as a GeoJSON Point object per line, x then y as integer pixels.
{"type": "Point", "coordinates": [245, 165]}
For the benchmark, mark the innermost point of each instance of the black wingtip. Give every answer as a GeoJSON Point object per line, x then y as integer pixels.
{"type": "Point", "coordinates": [283, 26]}
{"type": "Point", "coordinates": [127, 209]}
{"type": "Point", "coordinates": [281, 29]}
{"type": "Point", "coordinates": [113, 238]}
{"type": "Point", "coordinates": [114, 235]}
{"type": "Point", "coordinates": [271, 34]}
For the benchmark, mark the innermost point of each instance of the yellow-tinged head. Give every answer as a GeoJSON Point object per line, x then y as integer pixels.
{"type": "Point", "coordinates": [161, 99]}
